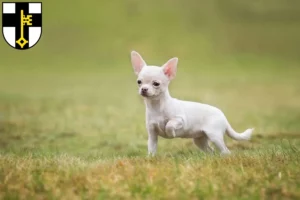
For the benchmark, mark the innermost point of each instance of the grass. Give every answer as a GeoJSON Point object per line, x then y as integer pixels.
{"type": "Point", "coordinates": [80, 134]}
{"type": "Point", "coordinates": [72, 125]}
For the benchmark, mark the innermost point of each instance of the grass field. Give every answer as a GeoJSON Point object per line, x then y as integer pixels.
{"type": "Point", "coordinates": [72, 125]}
{"type": "Point", "coordinates": [81, 135]}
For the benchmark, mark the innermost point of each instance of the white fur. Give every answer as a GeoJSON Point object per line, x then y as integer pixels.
{"type": "Point", "coordinates": [170, 118]}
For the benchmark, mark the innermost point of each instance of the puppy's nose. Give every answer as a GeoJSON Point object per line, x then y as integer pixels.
{"type": "Point", "coordinates": [144, 89]}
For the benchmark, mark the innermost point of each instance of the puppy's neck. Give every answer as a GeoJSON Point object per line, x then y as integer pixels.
{"type": "Point", "coordinates": [158, 103]}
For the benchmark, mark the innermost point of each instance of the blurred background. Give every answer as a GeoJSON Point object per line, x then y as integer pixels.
{"type": "Point", "coordinates": [242, 56]}
{"type": "Point", "coordinates": [104, 32]}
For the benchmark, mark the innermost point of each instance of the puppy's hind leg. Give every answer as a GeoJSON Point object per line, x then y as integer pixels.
{"type": "Point", "coordinates": [218, 139]}
{"type": "Point", "coordinates": [203, 144]}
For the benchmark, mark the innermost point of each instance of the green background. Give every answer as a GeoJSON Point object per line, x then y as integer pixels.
{"type": "Point", "coordinates": [70, 113]}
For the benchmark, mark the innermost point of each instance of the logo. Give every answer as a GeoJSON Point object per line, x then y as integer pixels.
{"type": "Point", "coordinates": [22, 24]}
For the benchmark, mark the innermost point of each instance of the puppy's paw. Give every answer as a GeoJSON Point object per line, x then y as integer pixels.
{"type": "Point", "coordinates": [170, 132]}
{"type": "Point", "coordinates": [150, 155]}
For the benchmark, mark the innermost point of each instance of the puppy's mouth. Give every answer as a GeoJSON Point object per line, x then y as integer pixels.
{"type": "Point", "coordinates": [145, 94]}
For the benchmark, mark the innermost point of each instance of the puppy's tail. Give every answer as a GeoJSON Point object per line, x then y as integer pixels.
{"type": "Point", "coordinates": [246, 135]}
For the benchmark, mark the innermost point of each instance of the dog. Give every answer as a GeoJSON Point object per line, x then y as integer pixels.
{"type": "Point", "coordinates": [172, 118]}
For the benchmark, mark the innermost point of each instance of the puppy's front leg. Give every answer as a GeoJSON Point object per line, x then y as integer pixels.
{"type": "Point", "coordinates": [173, 125]}
{"type": "Point", "coordinates": [152, 140]}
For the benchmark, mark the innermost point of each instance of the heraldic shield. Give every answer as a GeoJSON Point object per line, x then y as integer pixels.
{"type": "Point", "coordinates": [22, 24]}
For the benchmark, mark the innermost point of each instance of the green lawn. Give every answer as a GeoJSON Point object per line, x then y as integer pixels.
{"type": "Point", "coordinates": [72, 125]}
{"type": "Point", "coordinates": [80, 134]}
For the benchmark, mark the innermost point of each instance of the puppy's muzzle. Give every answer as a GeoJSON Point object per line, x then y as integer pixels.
{"type": "Point", "coordinates": [144, 92]}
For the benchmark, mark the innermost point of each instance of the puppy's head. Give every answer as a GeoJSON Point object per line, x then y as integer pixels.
{"type": "Point", "coordinates": [152, 80]}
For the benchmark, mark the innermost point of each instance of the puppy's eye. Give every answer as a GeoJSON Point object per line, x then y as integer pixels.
{"type": "Point", "coordinates": [156, 83]}
{"type": "Point", "coordinates": [139, 82]}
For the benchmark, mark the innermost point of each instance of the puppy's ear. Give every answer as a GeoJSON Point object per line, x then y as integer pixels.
{"type": "Point", "coordinates": [137, 62]}
{"type": "Point", "coordinates": [170, 68]}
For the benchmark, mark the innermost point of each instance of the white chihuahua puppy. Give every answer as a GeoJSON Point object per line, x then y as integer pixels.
{"type": "Point", "coordinates": [170, 118]}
